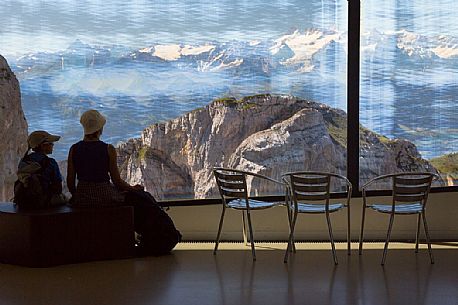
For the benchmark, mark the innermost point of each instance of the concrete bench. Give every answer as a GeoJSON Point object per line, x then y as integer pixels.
{"type": "Point", "coordinates": [65, 235]}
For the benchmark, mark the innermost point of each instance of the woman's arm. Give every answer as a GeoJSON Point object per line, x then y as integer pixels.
{"type": "Point", "coordinates": [114, 172]}
{"type": "Point", "coordinates": [71, 173]}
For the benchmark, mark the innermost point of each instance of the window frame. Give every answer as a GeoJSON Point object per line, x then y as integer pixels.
{"type": "Point", "coordinates": [353, 108]}
{"type": "Point", "coordinates": [353, 104]}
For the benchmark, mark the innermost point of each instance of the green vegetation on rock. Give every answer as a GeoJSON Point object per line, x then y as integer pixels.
{"type": "Point", "coordinates": [142, 153]}
{"type": "Point", "coordinates": [337, 128]}
{"type": "Point", "coordinates": [244, 103]}
{"type": "Point", "coordinates": [226, 101]}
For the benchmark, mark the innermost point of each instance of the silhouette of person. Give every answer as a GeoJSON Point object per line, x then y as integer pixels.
{"type": "Point", "coordinates": [94, 164]}
{"type": "Point", "coordinates": [42, 143]}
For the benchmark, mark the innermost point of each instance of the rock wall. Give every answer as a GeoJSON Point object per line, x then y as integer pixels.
{"type": "Point", "coordinates": [266, 134]}
{"type": "Point", "coordinates": [13, 126]}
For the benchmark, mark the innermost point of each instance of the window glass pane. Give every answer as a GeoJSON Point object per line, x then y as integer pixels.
{"type": "Point", "coordinates": [161, 65]}
{"type": "Point", "coordinates": [409, 84]}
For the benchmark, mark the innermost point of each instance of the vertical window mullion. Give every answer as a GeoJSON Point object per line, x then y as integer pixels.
{"type": "Point", "coordinates": [353, 63]}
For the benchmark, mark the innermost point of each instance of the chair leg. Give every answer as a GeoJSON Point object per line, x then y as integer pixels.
{"type": "Point", "coordinates": [244, 229]}
{"type": "Point", "coordinates": [362, 231]}
{"type": "Point", "coordinates": [290, 221]}
{"type": "Point", "coordinates": [291, 238]}
{"type": "Point", "coordinates": [331, 237]}
{"type": "Point", "coordinates": [348, 231]}
{"type": "Point", "coordinates": [388, 236]}
{"type": "Point", "coordinates": [417, 235]}
{"type": "Point", "coordinates": [428, 240]}
{"type": "Point", "coordinates": [251, 235]}
{"type": "Point", "coordinates": [219, 230]}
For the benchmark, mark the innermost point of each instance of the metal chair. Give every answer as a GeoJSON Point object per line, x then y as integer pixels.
{"type": "Point", "coordinates": [409, 195]}
{"type": "Point", "coordinates": [310, 194]}
{"type": "Point", "coordinates": [232, 186]}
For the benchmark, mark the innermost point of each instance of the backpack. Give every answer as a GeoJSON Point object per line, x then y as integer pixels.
{"type": "Point", "coordinates": [158, 234]}
{"type": "Point", "coordinates": [30, 189]}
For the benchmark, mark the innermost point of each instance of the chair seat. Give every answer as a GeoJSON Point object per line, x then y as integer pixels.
{"type": "Point", "coordinates": [407, 208]}
{"type": "Point", "coordinates": [240, 204]}
{"type": "Point", "coordinates": [318, 208]}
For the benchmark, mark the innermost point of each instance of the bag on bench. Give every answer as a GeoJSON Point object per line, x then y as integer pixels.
{"type": "Point", "coordinates": [158, 235]}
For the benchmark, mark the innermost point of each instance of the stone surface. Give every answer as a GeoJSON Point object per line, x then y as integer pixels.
{"type": "Point", "coordinates": [265, 134]}
{"type": "Point", "coordinates": [13, 126]}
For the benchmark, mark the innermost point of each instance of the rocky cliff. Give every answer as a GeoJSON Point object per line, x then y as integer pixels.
{"type": "Point", "coordinates": [266, 134]}
{"type": "Point", "coordinates": [13, 128]}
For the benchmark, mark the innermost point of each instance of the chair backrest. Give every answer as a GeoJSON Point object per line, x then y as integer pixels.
{"type": "Point", "coordinates": [231, 183]}
{"type": "Point", "coordinates": [310, 187]}
{"type": "Point", "coordinates": [411, 187]}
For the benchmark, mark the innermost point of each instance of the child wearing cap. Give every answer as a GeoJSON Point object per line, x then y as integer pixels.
{"type": "Point", "coordinates": [41, 143]}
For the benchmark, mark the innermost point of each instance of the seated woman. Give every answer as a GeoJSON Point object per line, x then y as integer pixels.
{"type": "Point", "coordinates": [93, 163]}
{"type": "Point", "coordinates": [39, 183]}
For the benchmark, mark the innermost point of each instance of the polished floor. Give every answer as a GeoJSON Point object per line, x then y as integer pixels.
{"type": "Point", "coordinates": [193, 275]}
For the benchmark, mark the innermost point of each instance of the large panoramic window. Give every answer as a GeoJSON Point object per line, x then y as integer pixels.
{"type": "Point", "coordinates": [409, 85]}
{"type": "Point", "coordinates": [187, 85]}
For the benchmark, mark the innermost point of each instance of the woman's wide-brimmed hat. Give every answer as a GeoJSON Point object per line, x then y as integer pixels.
{"type": "Point", "coordinates": [92, 121]}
